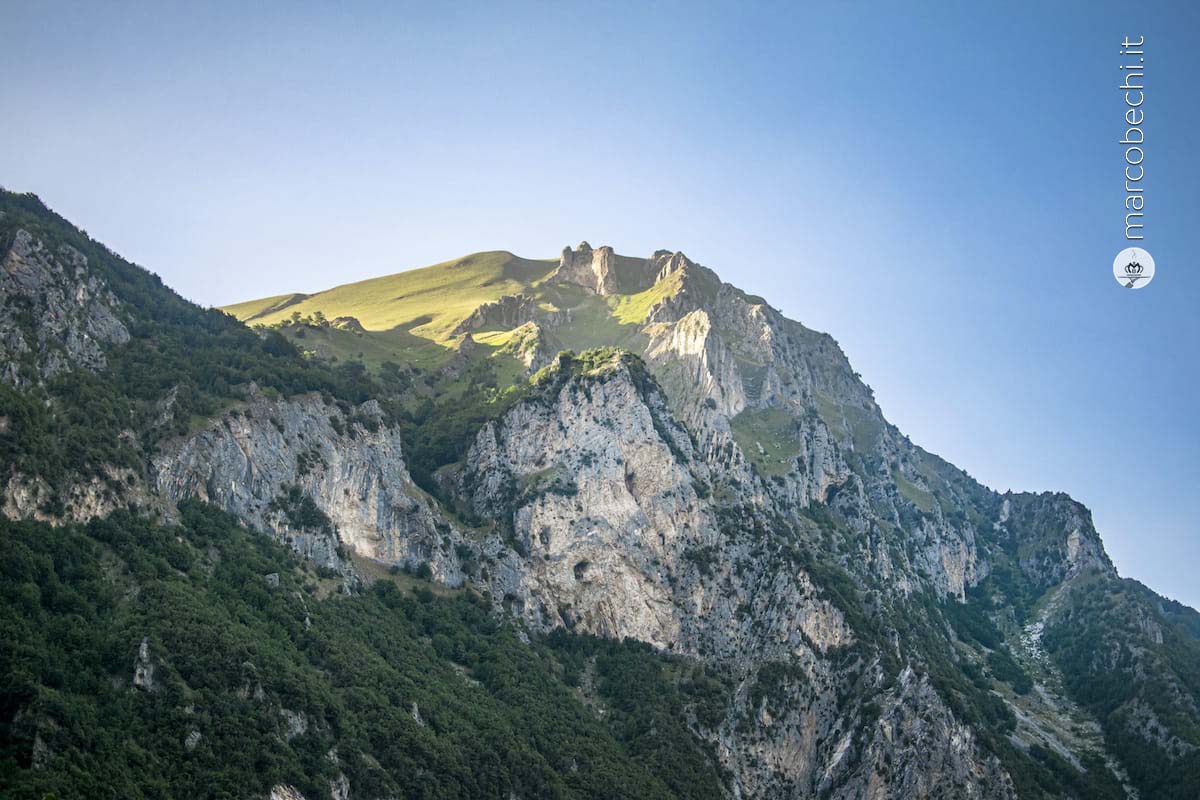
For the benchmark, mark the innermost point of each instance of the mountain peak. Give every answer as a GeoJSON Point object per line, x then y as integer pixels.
{"type": "Point", "coordinates": [688, 468]}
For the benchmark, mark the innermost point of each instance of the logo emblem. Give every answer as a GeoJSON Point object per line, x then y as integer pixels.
{"type": "Point", "coordinates": [1133, 268]}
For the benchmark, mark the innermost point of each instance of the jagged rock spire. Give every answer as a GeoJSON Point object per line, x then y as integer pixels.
{"type": "Point", "coordinates": [587, 267]}
{"type": "Point", "coordinates": [596, 269]}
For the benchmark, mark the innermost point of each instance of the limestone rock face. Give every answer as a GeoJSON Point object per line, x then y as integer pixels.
{"type": "Point", "coordinates": [935, 754]}
{"type": "Point", "coordinates": [689, 357]}
{"type": "Point", "coordinates": [594, 503]}
{"type": "Point", "coordinates": [55, 314]}
{"type": "Point", "coordinates": [509, 311]}
{"type": "Point", "coordinates": [323, 480]}
{"type": "Point", "coordinates": [607, 495]}
{"type": "Point", "coordinates": [347, 465]}
{"type": "Point", "coordinates": [612, 508]}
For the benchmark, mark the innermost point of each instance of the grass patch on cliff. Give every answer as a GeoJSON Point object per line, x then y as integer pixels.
{"type": "Point", "coordinates": [831, 414]}
{"type": "Point", "coordinates": [406, 581]}
{"type": "Point", "coordinates": [913, 493]}
{"type": "Point", "coordinates": [866, 429]}
{"type": "Point", "coordinates": [632, 309]}
{"type": "Point", "coordinates": [593, 324]}
{"type": "Point", "coordinates": [862, 427]}
{"type": "Point", "coordinates": [498, 339]}
{"type": "Point", "coordinates": [769, 438]}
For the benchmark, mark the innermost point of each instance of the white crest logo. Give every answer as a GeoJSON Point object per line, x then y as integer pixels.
{"type": "Point", "coordinates": [1133, 268]}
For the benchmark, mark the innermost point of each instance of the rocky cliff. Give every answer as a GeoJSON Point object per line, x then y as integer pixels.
{"type": "Point", "coordinates": [317, 476]}
{"type": "Point", "coordinates": [623, 537]}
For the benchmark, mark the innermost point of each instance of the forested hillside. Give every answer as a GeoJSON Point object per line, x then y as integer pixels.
{"type": "Point", "coordinates": [206, 661]}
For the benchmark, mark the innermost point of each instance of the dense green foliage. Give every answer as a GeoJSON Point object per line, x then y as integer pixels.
{"type": "Point", "coordinates": [972, 622]}
{"type": "Point", "coordinates": [232, 650]}
{"type": "Point", "coordinates": [1112, 667]}
{"type": "Point", "coordinates": [648, 698]}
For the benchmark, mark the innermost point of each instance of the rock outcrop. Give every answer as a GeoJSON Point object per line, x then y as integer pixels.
{"type": "Point", "coordinates": [25, 497]}
{"type": "Point", "coordinates": [315, 475]}
{"type": "Point", "coordinates": [283, 791]}
{"type": "Point", "coordinates": [345, 323]}
{"type": "Point", "coordinates": [586, 267]}
{"type": "Point", "coordinates": [327, 481]}
{"type": "Point", "coordinates": [510, 311]}
{"type": "Point", "coordinates": [55, 313]}
{"type": "Point", "coordinates": [143, 669]}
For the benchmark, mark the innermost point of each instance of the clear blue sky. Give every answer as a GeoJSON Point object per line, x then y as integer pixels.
{"type": "Point", "coordinates": [938, 186]}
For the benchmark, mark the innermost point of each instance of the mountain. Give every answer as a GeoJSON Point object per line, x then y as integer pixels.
{"type": "Point", "coordinates": [663, 536]}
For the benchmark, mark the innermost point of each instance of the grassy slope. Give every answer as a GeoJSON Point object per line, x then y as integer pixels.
{"type": "Point", "coordinates": [264, 306]}
{"type": "Point", "coordinates": [408, 316]}
{"type": "Point", "coordinates": [428, 302]}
